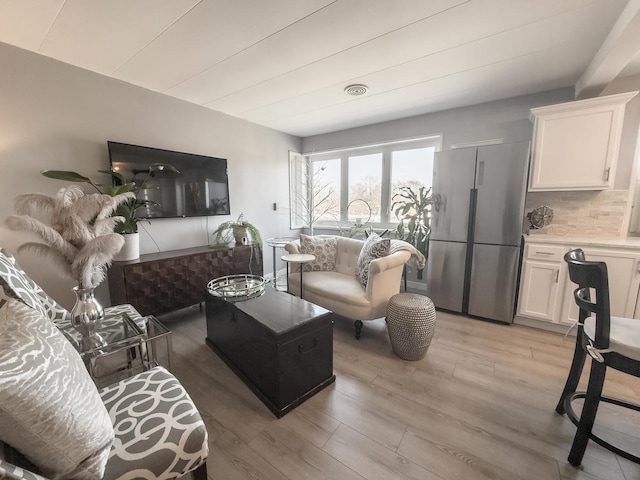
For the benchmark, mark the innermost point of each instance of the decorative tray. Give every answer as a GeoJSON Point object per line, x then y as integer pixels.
{"type": "Point", "coordinates": [237, 287]}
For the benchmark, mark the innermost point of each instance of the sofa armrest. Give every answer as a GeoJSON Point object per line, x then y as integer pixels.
{"type": "Point", "coordinates": [385, 275]}
{"type": "Point", "coordinates": [396, 259]}
{"type": "Point", "coordinates": [293, 247]}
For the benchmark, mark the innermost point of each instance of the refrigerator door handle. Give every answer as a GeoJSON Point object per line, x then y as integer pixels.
{"type": "Point", "coordinates": [437, 202]}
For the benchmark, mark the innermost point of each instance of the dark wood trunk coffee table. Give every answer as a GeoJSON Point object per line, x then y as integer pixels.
{"type": "Point", "coordinates": [279, 345]}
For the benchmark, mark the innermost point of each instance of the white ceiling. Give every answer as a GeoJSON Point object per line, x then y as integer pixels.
{"type": "Point", "coordinates": [284, 63]}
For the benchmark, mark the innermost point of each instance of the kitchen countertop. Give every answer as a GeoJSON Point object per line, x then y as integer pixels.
{"type": "Point", "coordinates": [624, 242]}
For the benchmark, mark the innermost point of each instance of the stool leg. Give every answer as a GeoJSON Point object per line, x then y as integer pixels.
{"type": "Point", "coordinates": [577, 364]}
{"type": "Point", "coordinates": [589, 410]}
{"type": "Point", "coordinates": [358, 325]}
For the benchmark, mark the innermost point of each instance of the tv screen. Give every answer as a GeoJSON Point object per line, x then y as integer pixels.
{"type": "Point", "coordinates": [200, 189]}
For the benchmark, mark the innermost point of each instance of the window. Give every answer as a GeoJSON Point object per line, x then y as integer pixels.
{"type": "Point", "coordinates": [357, 185]}
{"type": "Point", "coordinates": [365, 188]}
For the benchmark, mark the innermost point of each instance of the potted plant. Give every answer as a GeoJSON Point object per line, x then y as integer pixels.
{"type": "Point", "coordinates": [128, 226]}
{"type": "Point", "coordinates": [237, 231]}
{"type": "Point", "coordinates": [413, 209]}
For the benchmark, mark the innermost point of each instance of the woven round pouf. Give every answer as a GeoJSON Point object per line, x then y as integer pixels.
{"type": "Point", "coordinates": [411, 320]}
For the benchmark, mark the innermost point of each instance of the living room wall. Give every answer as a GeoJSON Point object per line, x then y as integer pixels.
{"type": "Point", "coordinates": [503, 119]}
{"type": "Point", "coordinates": [56, 116]}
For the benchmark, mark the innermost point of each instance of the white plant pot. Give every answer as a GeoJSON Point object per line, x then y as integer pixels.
{"type": "Point", "coordinates": [130, 249]}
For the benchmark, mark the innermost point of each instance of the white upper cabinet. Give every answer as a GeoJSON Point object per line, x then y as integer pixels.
{"type": "Point", "coordinates": [576, 144]}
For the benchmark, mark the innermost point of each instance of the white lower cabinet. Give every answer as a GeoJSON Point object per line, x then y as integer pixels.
{"type": "Point", "coordinates": [546, 292]}
{"type": "Point", "coordinates": [541, 283]}
{"type": "Point", "coordinates": [624, 280]}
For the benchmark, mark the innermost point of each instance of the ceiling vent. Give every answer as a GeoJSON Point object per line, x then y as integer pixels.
{"type": "Point", "coordinates": [356, 89]}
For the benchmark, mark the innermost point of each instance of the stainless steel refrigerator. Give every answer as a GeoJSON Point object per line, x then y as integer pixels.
{"type": "Point", "coordinates": [476, 229]}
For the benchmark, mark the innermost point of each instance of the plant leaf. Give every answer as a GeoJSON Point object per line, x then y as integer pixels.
{"type": "Point", "coordinates": [66, 175]}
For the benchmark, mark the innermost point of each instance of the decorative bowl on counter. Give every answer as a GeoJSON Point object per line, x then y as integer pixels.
{"type": "Point", "coordinates": [236, 288]}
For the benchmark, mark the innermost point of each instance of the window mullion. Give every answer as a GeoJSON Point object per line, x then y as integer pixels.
{"type": "Point", "coordinates": [385, 190]}
{"type": "Point", "coordinates": [344, 185]}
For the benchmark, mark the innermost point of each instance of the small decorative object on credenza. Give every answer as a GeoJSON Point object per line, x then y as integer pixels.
{"type": "Point", "coordinates": [79, 239]}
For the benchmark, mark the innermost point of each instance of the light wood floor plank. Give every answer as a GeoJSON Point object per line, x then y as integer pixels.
{"type": "Point", "coordinates": [297, 458]}
{"type": "Point", "coordinates": [371, 459]}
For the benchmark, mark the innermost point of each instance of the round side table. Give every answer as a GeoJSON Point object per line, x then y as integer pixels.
{"type": "Point", "coordinates": [299, 258]}
{"type": "Point", "coordinates": [411, 321]}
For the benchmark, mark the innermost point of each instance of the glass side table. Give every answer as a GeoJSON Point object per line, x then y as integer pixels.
{"type": "Point", "coordinates": [116, 347]}
{"type": "Point", "coordinates": [156, 331]}
{"type": "Point", "coordinates": [275, 243]}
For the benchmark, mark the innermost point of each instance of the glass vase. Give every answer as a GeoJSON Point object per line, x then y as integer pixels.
{"type": "Point", "coordinates": [87, 313]}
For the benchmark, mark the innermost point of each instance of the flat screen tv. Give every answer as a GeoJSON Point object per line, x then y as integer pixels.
{"type": "Point", "coordinates": [200, 189]}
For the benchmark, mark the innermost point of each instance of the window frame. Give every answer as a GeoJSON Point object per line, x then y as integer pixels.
{"type": "Point", "coordinates": [386, 220]}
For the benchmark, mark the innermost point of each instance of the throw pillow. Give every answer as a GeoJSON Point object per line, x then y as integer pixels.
{"type": "Point", "coordinates": [17, 284]}
{"type": "Point", "coordinates": [374, 247]}
{"type": "Point", "coordinates": [324, 248]}
{"type": "Point", "coordinates": [50, 410]}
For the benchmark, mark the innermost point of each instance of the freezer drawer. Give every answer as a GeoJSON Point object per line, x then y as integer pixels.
{"type": "Point", "coordinates": [445, 274]}
{"type": "Point", "coordinates": [494, 273]}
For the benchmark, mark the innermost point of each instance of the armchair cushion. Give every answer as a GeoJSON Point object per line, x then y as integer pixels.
{"type": "Point", "coordinates": [50, 410]}
{"type": "Point", "coordinates": [324, 248]}
{"type": "Point", "coordinates": [159, 432]}
{"type": "Point", "coordinates": [374, 247]}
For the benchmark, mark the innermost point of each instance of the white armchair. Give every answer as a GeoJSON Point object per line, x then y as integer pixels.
{"type": "Point", "coordinates": [341, 292]}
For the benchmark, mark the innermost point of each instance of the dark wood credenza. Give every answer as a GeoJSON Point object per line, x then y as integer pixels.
{"type": "Point", "coordinates": [162, 282]}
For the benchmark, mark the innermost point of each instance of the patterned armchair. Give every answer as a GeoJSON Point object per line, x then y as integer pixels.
{"type": "Point", "coordinates": [150, 426]}
{"type": "Point", "coordinates": [142, 447]}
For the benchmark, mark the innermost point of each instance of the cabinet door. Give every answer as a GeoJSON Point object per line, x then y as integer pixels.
{"type": "Point", "coordinates": [576, 144]}
{"type": "Point", "coordinates": [247, 259]}
{"type": "Point", "coordinates": [539, 290]}
{"type": "Point", "coordinates": [159, 286]}
{"type": "Point", "coordinates": [624, 280]}
{"type": "Point", "coordinates": [204, 267]}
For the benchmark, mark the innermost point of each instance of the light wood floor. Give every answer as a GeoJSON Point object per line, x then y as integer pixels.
{"type": "Point", "coordinates": [480, 405]}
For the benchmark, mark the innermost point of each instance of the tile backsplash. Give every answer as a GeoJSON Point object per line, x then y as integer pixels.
{"type": "Point", "coordinates": [589, 213]}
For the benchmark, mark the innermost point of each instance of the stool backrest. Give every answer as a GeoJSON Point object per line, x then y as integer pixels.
{"type": "Point", "coordinates": [591, 275]}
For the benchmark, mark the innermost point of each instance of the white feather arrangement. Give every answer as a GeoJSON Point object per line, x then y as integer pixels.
{"type": "Point", "coordinates": [77, 230]}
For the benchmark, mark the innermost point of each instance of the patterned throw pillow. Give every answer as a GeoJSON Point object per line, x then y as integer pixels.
{"type": "Point", "coordinates": [15, 283]}
{"type": "Point", "coordinates": [325, 250]}
{"type": "Point", "coordinates": [374, 247]}
{"type": "Point", "coordinates": [50, 410]}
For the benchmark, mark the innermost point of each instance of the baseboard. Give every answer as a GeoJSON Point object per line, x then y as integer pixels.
{"type": "Point", "coordinates": [542, 325]}
{"type": "Point", "coordinates": [420, 286]}
{"type": "Point", "coordinates": [282, 273]}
